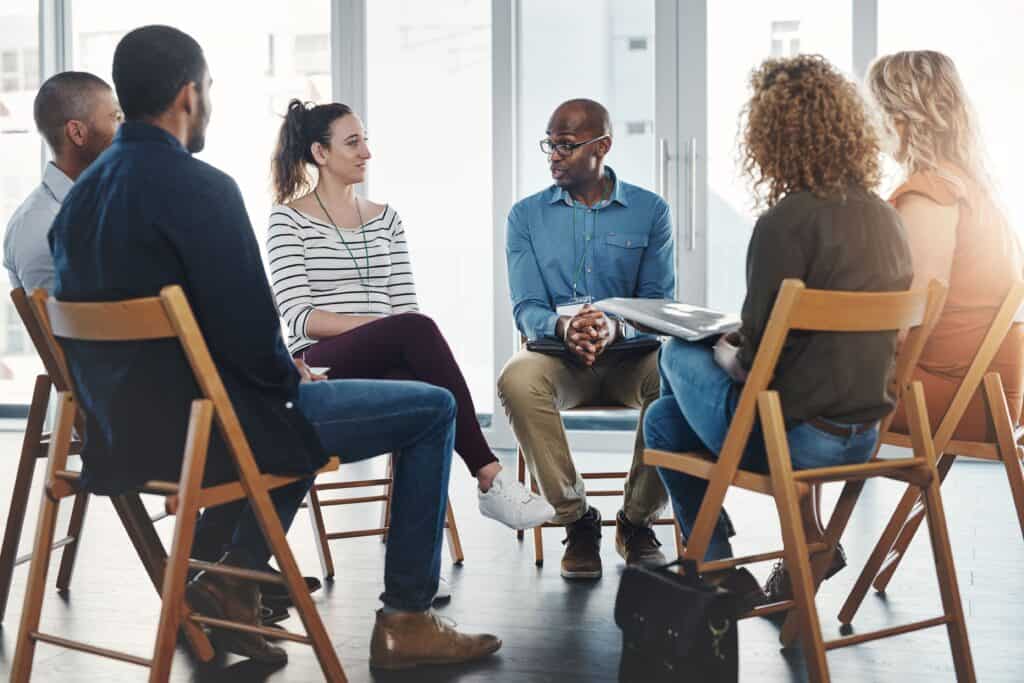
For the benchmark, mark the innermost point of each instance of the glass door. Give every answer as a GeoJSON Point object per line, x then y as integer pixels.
{"type": "Point", "coordinates": [620, 53]}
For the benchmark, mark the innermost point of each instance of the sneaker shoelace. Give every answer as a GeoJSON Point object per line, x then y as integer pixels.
{"type": "Point", "coordinates": [631, 533]}
{"type": "Point", "coordinates": [588, 530]}
{"type": "Point", "coordinates": [507, 494]}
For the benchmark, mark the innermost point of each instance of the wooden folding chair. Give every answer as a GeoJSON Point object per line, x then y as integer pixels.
{"type": "Point", "coordinates": [34, 446]}
{"type": "Point", "coordinates": [797, 308]}
{"type": "Point", "coordinates": [165, 317]}
{"type": "Point", "coordinates": [323, 537]}
{"type": "Point", "coordinates": [1005, 447]}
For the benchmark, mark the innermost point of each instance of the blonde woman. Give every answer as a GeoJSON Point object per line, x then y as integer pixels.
{"type": "Point", "coordinates": [955, 227]}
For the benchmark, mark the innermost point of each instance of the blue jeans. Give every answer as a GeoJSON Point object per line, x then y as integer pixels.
{"type": "Point", "coordinates": [361, 419]}
{"type": "Point", "coordinates": [697, 403]}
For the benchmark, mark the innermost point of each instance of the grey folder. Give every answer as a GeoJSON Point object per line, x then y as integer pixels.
{"type": "Point", "coordinates": [673, 318]}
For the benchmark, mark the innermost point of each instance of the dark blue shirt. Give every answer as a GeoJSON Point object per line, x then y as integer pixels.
{"type": "Point", "coordinates": [146, 214]}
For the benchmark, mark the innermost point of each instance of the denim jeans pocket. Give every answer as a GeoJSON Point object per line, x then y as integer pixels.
{"type": "Point", "coordinates": [811, 447]}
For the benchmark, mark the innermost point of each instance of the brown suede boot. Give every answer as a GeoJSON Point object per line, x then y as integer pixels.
{"type": "Point", "coordinates": [637, 544]}
{"type": "Point", "coordinates": [582, 557]}
{"type": "Point", "coordinates": [232, 599]}
{"type": "Point", "coordinates": [402, 640]}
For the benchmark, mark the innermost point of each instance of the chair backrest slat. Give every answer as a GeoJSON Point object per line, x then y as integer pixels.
{"type": "Point", "coordinates": [131, 320]}
{"type": "Point", "coordinates": [857, 311]}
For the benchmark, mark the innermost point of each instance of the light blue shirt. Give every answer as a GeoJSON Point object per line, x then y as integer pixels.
{"type": "Point", "coordinates": [26, 253]}
{"type": "Point", "coordinates": [558, 249]}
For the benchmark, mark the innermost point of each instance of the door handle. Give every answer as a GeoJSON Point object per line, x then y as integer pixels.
{"type": "Point", "coordinates": [663, 159]}
{"type": "Point", "coordinates": [691, 191]}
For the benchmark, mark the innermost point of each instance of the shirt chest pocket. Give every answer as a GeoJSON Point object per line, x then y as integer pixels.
{"type": "Point", "coordinates": [622, 253]}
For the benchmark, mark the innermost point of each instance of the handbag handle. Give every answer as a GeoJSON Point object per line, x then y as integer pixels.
{"type": "Point", "coordinates": [689, 568]}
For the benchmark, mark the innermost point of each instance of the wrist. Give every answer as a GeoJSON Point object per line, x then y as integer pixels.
{"type": "Point", "coordinates": [563, 321]}
{"type": "Point", "coordinates": [618, 331]}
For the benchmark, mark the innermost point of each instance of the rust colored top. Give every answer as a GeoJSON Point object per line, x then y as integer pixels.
{"type": "Point", "coordinates": [986, 260]}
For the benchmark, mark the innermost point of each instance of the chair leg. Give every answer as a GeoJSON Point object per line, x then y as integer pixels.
{"type": "Point", "coordinates": [22, 487]}
{"type": "Point", "coordinates": [793, 538]}
{"type": "Point", "coordinates": [538, 537]}
{"type": "Point", "coordinates": [454, 543]}
{"type": "Point", "coordinates": [385, 515]}
{"type": "Point", "coordinates": [948, 587]}
{"type": "Point", "coordinates": [150, 549]}
{"type": "Point", "coordinates": [70, 551]}
{"type": "Point", "coordinates": [920, 434]}
{"type": "Point", "coordinates": [885, 549]}
{"type": "Point", "coordinates": [60, 440]}
{"type": "Point", "coordinates": [1007, 447]}
{"type": "Point", "coordinates": [273, 532]}
{"type": "Point", "coordinates": [323, 545]}
{"type": "Point", "coordinates": [820, 563]}
{"type": "Point", "coordinates": [899, 548]}
{"type": "Point", "coordinates": [173, 608]}
{"type": "Point", "coordinates": [677, 532]}
{"type": "Point", "coordinates": [520, 474]}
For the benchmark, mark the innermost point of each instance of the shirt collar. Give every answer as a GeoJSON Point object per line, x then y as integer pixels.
{"type": "Point", "coordinates": [559, 194]}
{"type": "Point", "coordinates": [139, 131]}
{"type": "Point", "coordinates": [56, 182]}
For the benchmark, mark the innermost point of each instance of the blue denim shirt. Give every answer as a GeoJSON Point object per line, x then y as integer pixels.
{"type": "Point", "coordinates": [145, 215]}
{"type": "Point", "coordinates": [559, 249]}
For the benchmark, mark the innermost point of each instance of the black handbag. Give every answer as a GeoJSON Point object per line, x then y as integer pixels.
{"type": "Point", "coordinates": [676, 628]}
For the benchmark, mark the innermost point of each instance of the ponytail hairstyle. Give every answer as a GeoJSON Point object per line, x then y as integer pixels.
{"type": "Point", "coordinates": [303, 125]}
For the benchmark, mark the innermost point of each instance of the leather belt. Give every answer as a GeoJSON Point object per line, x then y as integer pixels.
{"type": "Point", "coordinates": [844, 430]}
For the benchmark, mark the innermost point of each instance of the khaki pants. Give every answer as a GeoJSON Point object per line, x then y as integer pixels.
{"type": "Point", "coordinates": [534, 387]}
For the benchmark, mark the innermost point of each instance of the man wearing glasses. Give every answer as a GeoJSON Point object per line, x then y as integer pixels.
{"type": "Point", "coordinates": [588, 237]}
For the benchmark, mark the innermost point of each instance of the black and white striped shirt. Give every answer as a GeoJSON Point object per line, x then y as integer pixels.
{"type": "Point", "coordinates": [311, 268]}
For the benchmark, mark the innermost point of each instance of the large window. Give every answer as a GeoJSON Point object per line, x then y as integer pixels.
{"type": "Point", "coordinates": [981, 41]}
{"type": "Point", "coordinates": [259, 58]}
{"type": "Point", "coordinates": [19, 175]}
{"type": "Point", "coordinates": [429, 121]}
{"type": "Point", "coordinates": [740, 36]}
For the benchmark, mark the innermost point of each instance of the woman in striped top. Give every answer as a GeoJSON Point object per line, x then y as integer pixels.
{"type": "Point", "coordinates": [343, 283]}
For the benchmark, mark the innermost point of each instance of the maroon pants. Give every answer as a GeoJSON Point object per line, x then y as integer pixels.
{"type": "Point", "coordinates": [406, 346]}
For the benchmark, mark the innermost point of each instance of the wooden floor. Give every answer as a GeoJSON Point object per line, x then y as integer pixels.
{"type": "Point", "coordinates": [555, 630]}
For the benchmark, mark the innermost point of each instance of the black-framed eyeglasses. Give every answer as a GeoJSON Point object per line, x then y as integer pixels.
{"type": "Point", "coordinates": [564, 149]}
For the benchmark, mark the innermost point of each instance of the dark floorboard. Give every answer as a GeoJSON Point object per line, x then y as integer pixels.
{"type": "Point", "coordinates": [554, 630]}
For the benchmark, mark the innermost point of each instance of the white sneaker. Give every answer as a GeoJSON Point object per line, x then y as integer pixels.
{"type": "Point", "coordinates": [444, 590]}
{"type": "Point", "coordinates": [514, 505]}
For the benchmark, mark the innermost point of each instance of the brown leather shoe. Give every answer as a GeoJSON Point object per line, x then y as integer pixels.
{"type": "Point", "coordinates": [636, 544]}
{"type": "Point", "coordinates": [582, 558]}
{"type": "Point", "coordinates": [225, 597]}
{"type": "Point", "coordinates": [778, 588]}
{"type": "Point", "coordinates": [403, 640]}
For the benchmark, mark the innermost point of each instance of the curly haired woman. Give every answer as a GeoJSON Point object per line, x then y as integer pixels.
{"type": "Point", "coordinates": [812, 159]}
{"type": "Point", "coordinates": [956, 230]}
